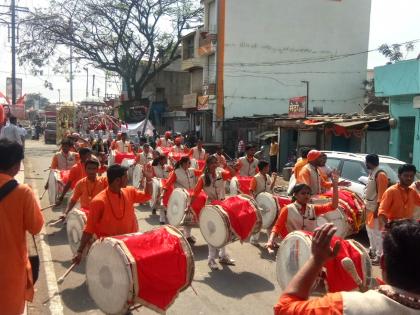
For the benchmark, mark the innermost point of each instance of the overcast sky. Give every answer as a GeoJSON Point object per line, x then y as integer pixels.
{"type": "Point", "coordinates": [391, 22]}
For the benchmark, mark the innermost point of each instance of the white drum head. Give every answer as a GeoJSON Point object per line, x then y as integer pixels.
{"type": "Point", "coordinates": [177, 204]}
{"type": "Point", "coordinates": [127, 162]}
{"type": "Point", "coordinates": [194, 163]}
{"type": "Point", "coordinates": [268, 208]}
{"type": "Point", "coordinates": [292, 183]}
{"type": "Point", "coordinates": [137, 175]}
{"type": "Point", "coordinates": [214, 227]}
{"type": "Point", "coordinates": [76, 221]}
{"type": "Point", "coordinates": [109, 277]}
{"type": "Point", "coordinates": [234, 186]}
{"type": "Point", "coordinates": [155, 193]}
{"type": "Point", "coordinates": [339, 220]}
{"type": "Point", "coordinates": [111, 159]}
{"type": "Point", "coordinates": [293, 253]}
{"type": "Point", "coordinates": [52, 187]}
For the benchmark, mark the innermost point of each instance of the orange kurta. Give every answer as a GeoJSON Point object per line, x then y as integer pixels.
{"type": "Point", "coordinates": [280, 227]}
{"type": "Point", "coordinates": [330, 304]}
{"type": "Point", "coordinates": [305, 178]}
{"type": "Point", "coordinates": [77, 172]}
{"type": "Point", "coordinates": [86, 190]}
{"type": "Point", "coordinates": [19, 212]}
{"type": "Point", "coordinates": [298, 166]}
{"type": "Point", "coordinates": [113, 214]}
{"type": "Point", "coordinates": [381, 186]}
{"type": "Point", "coordinates": [398, 203]}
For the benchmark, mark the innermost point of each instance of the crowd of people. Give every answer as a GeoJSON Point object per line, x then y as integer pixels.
{"type": "Point", "coordinates": [103, 190]}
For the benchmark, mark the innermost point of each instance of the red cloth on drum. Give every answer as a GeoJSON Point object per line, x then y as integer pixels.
{"type": "Point", "coordinates": [337, 278]}
{"type": "Point", "coordinates": [85, 210]}
{"type": "Point", "coordinates": [166, 150]}
{"type": "Point", "coordinates": [178, 156]}
{"type": "Point", "coordinates": [119, 157]}
{"type": "Point", "coordinates": [242, 215]}
{"type": "Point", "coordinates": [64, 175]}
{"type": "Point", "coordinates": [199, 202]}
{"type": "Point", "coordinates": [161, 266]}
{"type": "Point", "coordinates": [282, 201]}
{"type": "Point", "coordinates": [245, 184]}
{"type": "Point", "coordinates": [201, 164]}
{"type": "Point", "coordinates": [167, 193]}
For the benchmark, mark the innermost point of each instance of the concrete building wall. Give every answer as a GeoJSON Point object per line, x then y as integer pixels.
{"type": "Point", "coordinates": [272, 45]}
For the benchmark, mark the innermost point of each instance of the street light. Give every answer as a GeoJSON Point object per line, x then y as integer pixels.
{"type": "Point", "coordinates": [59, 96]}
{"type": "Point", "coordinates": [87, 81]}
{"type": "Point", "coordinates": [307, 98]}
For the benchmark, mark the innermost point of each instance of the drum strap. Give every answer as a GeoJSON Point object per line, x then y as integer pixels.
{"type": "Point", "coordinates": [7, 188]}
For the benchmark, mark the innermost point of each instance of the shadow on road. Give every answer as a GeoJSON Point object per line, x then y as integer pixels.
{"type": "Point", "coordinates": [226, 282]}
{"type": "Point", "coordinates": [57, 237]}
{"type": "Point", "coordinates": [200, 252]}
{"type": "Point", "coordinates": [78, 299]}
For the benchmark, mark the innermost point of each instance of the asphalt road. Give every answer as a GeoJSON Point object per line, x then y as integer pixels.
{"type": "Point", "coordinates": [250, 287]}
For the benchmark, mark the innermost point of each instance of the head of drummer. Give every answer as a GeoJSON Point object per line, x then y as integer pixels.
{"type": "Point", "coordinates": [11, 155]}
{"type": "Point", "coordinates": [183, 163]}
{"type": "Point", "coordinates": [168, 135]}
{"type": "Point", "coordinates": [117, 177]}
{"type": "Point", "coordinates": [406, 174]}
{"type": "Point", "coordinates": [146, 148]}
{"type": "Point", "coordinates": [264, 167]}
{"type": "Point", "coordinates": [250, 151]}
{"type": "Point", "coordinates": [66, 145]}
{"type": "Point", "coordinates": [155, 154]}
{"type": "Point", "coordinates": [301, 193]}
{"type": "Point", "coordinates": [200, 143]}
{"type": "Point", "coordinates": [315, 158]}
{"type": "Point", "coordinates": [85, 154]}
{"type": "Point", "coordinates": [124, 136]}
{"type": "Point", "coordinates": [211, 164]}
{"type": "Point", "coordinates": [91, 167]}
{"type": "Point", "coordinates": [178, 141]}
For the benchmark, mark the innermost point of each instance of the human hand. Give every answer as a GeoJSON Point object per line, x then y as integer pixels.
{"type": "Point", "coordinates": [321, 240]}
{"type": "Point", "coordinates": [344, 183]}
{"type": "Point", "coordinates": [148, 171]}
{"type": "Point", "coordinates": [335, 177]}
{"type": "Point", "coordinates": [418, 185]}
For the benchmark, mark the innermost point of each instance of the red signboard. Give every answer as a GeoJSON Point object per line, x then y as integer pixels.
{"type": "Point", "coordinates": [297, 106]}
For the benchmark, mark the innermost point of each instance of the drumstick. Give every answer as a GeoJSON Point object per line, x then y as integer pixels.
{"type": "Point", "coordinates": [50, 206]}
{"type": "Point", "coordinates": [193, 289]}
{"type": "Point", "coordinates": [61, 279]}
{"type": "Point", "coordinates": [57, 221]}
{"type": "Point", "coordinates": [42, 196]}
{"type": "Point", "coordinates": [349, 267]}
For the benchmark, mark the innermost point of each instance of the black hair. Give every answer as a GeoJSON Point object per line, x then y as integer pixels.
{"type": "Point", "coordinates": [146, 144]}
{"type": "Point", "coordinates": [12, 119]}
{"type": "Point", "coordinates": [158, 159]}
{"type": "Point", "coordinates": [143, 139]}
{"type": "Point", "coordinates": [183, 160]}
{"type": "Point", "coordinates": [249, 147]}
{"type": "Point", "coordinates": [207, 175]}
{"type": "Point", "coordinates": [11, 153]}
{"type": "Point", "coordinates": [304, 152]}
{"type": "Point", "coordinates": [84, 151]}
{"type": "Point", "coordinates": [401, 248]}
{"type": "Point", "coordinates": [372, 159]}
{"type": "Point", "coordinates": [115, 171]}
{"type": "Point", "coordinates": [262, 164]}
{"type": "Point", "coordinates": [92, 161]}
{"type": "Point", "coordinates": [297, 188]}
{"type": "Point", "coordinates": [67, 141]}
{"type": "Point", "coordinates": [407, 168]}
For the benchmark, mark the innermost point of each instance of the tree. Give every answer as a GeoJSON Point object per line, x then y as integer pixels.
{"type": "Point", "coordinates": [32, 99]}
{"type": "Point", "coordinates": [374, 103]}
{"type": "Point", "coordinates": [395, 52]}
{"type": "Point", "coordinates": [114, 35]}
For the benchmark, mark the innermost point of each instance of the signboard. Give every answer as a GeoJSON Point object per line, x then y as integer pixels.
{"type": "Point", "coordinates": [297, 107]}
{"type": "Point", "coordinates": [203, 102]}
{"type": "Point", "coordinates": [190, 101]}
{"type": "Point", "coordinates": [416, 102]}
{"type": "Point", "coordinates": [9, 88]}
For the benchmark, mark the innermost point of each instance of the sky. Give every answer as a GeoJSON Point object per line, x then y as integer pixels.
{"type": "Point", "coordinates": [391, 22]}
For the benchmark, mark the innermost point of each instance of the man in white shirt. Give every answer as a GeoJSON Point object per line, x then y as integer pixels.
{"type": "Point", "coordinates": [11, 132]}
{"type": "Point", "coordinates": [23, 133]}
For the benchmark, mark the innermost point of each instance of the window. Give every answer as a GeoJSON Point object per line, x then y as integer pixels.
{"type": "Point", "coordinates": [352, 170]}
{"type": "Point", "coordinates": [333, 163]}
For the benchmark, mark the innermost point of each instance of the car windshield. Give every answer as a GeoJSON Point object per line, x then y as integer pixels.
{"type": "Point", "coordinates": [392, 171]}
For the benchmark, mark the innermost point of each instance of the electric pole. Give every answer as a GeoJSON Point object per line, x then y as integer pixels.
{"type": "Point", "coordinates": [307, 98]}
{"type": "Point", "coordinates": [71, 74]}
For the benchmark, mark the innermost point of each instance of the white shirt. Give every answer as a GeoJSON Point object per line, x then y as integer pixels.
{"type": "Point", "coordinates": [12, 133]}
{"type": "Point", "coordinates": [22, 131]}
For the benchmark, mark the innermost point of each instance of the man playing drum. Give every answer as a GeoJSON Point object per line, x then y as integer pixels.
{"type": "Point", "coordinates": [165, 142]}
{"type": "Point", "coordinates": [399, 265]}
{"type": "Point", "coordinates": [111, 212]}
{"type": "Point", "coordinates": [262, 182]}
{"type": "Point", "coordinates": [300, 215]}
{"type": "Point", "coordinates": [77, 172]}
{"type": "Point", "coordinates": [310, 175]}
{"type": "Point", "coordinates": [398, 201]}
{"type": "Point", "coordinates": [179, 147]}
{"type": "Point", "coordinates": [248, 164]}
{"type": "Point", "coordinates": [213, 183]}
{"type": "Point", "coordinates": [183, 176]}
{"type": "Point", "coordinates": [220, 157]}
{"type": "Point", "coordinates": [198, 152]}
{"type": "Point", "coordinates": [87, 188]}
{"type": "Point", "coordinates": [373, 192]}
{"type": "Point", "coordinates": [123, 145]}
{"type": "Point", "coordinates": [145, 156]}
{"type": "Point", "coordinates": [64, 159]}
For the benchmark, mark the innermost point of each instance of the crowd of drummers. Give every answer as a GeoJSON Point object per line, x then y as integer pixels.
{"type": "Point", "coordinates": [189, 187]}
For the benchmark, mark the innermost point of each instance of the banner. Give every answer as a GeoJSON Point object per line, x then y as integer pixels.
{"type": "Point", "coordinates": [297, 107]}
{"type": "Point", "coordinates": [9, 88]}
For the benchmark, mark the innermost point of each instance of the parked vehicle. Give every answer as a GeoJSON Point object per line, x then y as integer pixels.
{"type": "Point", "coordinates": [50, 133]}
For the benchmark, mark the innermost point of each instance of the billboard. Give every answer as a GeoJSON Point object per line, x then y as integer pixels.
{"type": "Point", "coordinates": [297, 106]}
{"type": "Point", "coordinates": [9, 88]}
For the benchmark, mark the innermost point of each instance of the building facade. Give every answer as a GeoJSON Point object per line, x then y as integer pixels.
{"type": "Point", "coordinates": [401, 83]}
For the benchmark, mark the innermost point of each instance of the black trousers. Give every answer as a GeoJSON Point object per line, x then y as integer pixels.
{"type": "Point", "coordinates": [273, 163]}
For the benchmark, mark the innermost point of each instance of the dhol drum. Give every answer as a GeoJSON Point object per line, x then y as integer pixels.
{"type": "Point", "coordinates": [157, 187]}
{"type": "Point", "coordinates": [111, 158]}
{"type": "Point", "coordinates": [120, 157]}
{"type": "Point", "coordinates": [223, 222]}
{"type": "Point", "coordinates": [148, 269]}
{"type": "Point", "coordinates": [76, 221]}
{"type": "Point", "coordinates": [137, 175]}
{"type": "Point", "coordinates": [179, 201]}
{"type": "Point", "coordinates": [129, 165]}
{"type": "Point", "coordinates": [198, 164]}
{"type": "Point", "coordinates": [295, 251]}
{"type": "Point", "coordinates": [240, 185]}
{"type": "Point", "coordinates": [56, 183]}
{"type": "Point", "coordinates": [270, 206]}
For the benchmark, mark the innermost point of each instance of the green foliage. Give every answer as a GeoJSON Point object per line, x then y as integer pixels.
{"type": "Point", "coordinates": [35, 98]}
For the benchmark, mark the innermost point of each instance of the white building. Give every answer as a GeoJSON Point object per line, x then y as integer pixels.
{"type": "Point", "coordinates": [257, 53]}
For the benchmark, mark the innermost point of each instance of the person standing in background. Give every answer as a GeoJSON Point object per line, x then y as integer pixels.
{"type": "Point", "coordinates": [241, 148]}
{"type": "Point", "coordinates": [274, 151]}
{"type": "Point", "coordinates": [23, 133]}
{"type": "Point", "coordinates": [11, 132]}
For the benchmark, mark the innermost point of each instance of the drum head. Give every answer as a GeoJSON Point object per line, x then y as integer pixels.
{"type": "Point", "coordinates": [268, 209]}
{"type": "Point", "coordinates": [111, 159]}
{"type": "Point", "coordinates": [339, 220]}
{"type": "Point", "coordinates": [76, 221]}
{"type": "Point", "coordinates": [178, 203]}
{"type": "Point", "coordinates": [127, 162]}
{"type": "Point", "coordinates": [155, 193]}
{"type": "Point", "coordinates": [52, 187]}
{"type": "Point", "coordinates": [214, 226]}
{"type": "Point", "coordinates": [293, 253]}
{"type": "Point", "coordinates": [137, 175]}
{"type": "Point", "coordinates": [109, 277]}
{"type": "Point", "coordinates": [194, 164]}
{"type": "Point", "coordinates": [234, 186]}
{"type": "Point", "coordinates": [292, 183]}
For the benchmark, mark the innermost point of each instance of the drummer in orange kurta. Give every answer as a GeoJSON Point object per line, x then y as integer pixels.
{"type": "Point", "coordinates": [111, 212]}
{"type": "Point", "coordinates": [19, 213]}
{"type": "Point", "coordinates": [301, 162]}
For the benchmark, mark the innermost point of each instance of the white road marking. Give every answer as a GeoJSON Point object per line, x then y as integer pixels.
{"type": "Point", "coordinates": [54, 299]}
